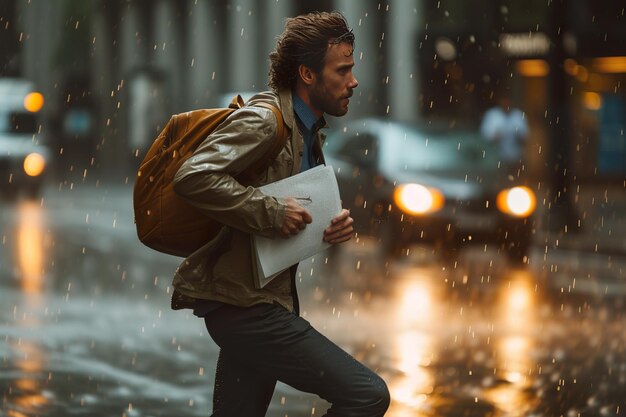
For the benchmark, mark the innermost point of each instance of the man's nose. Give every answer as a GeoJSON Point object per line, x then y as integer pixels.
{"type": "Point", "coordinates": [354, 83]}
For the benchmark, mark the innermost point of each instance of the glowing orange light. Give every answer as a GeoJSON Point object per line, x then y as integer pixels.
{"type": "Point", "coordinates": [29, 241]}
{"type": "Point", "coordinates": [533, 67]}
{"type": "Point", "coordinates": [34, 164]}
{"type": "Point", "coordinates": [582, 74]}
{"type": "Point", "coordinates": [610, 64]}
{"type": "Point", "coordinates": [33, 102]}
{"type": "Point", "coordinates": [29, 395]}
{"type": "Point", "coordinates": [416, 199]}
{"type": "Point", "coordinates": [592, 101]}
{"type": "Point", "coordinates": [517, 201]}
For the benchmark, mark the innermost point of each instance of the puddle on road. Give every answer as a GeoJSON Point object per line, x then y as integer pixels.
{"type": "Point", "coordinates": [475, 340]}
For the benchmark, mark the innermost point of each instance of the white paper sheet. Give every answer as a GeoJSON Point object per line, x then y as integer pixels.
{"type": "Point", "coordinates": [316, 189]}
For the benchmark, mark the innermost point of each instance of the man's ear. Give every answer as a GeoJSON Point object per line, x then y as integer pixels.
{"type": "Point", "coordinates": [306, 74]}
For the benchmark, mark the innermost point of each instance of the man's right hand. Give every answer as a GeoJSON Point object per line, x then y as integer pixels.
{"type": "Point", "coordinates": [296, 218]}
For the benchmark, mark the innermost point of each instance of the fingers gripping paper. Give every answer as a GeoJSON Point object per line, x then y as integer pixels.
{"type": "Point", "coordinates": [316, 190]}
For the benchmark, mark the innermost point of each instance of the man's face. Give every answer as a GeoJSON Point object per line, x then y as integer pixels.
{"type": "Point", "coordinates": [333, 85]}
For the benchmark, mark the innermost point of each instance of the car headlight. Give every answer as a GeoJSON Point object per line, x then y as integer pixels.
{"type": "Point", "coordinates": [34, 164]}
{"type": "Point", "coordinates": [33, 102]}
{"type": "Point", "coordinates": [517, 201]}
{"type": "Point", "coordinates": [417, 199]}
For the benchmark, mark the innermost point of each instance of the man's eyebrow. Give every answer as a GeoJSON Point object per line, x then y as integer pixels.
{"type": "Point", "coordinates": [345, 66]}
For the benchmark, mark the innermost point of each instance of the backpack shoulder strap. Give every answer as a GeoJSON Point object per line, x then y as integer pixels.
{"type": "Point", "coordinates": [236, 103]}
{"type": "Point", "coordinates": [277, 145]}
{"type": "Point", "coordinates": [281, 131]}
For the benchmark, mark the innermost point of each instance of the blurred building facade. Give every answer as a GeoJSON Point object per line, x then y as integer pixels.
{"type": "Point", "coordinates": [113, 71]}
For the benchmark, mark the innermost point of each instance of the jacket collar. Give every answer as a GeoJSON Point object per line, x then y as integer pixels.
{"type": "Point", "coordinates": [285, 100]}
{"type": "Point", "coordinates": [286, 107]}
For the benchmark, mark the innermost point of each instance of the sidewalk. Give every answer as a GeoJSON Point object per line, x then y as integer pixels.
{"type": "Point", "coordinates": [602, 214]}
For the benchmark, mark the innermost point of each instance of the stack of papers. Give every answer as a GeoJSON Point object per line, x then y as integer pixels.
{"type": "Point", "coordinates": [316, 190]}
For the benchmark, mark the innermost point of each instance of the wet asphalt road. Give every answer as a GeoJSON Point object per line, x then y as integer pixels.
{"type": "Point", "coordinates": [86, 329]}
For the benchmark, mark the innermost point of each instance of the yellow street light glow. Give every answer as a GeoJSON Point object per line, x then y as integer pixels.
{"type": "Point", "coordinates": [533, 67]}
{"type": "Point", "coordinates": [33, 102]}
{"type": "Point", "coordinates": [34, 164]}
{"type": "Point", "coordinates": [593, 101]}
{"type": "Point", "coordinates": [417, 199]}
{"type": "Point", "coordinates": [517, 201]}
{"type": "Point", "coordinates": [610, 64]}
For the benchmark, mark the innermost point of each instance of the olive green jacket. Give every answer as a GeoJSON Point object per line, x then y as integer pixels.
{"type": "Point", "coordinates": [221, 270]}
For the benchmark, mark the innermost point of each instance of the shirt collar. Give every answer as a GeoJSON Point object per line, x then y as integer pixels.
{"type": "Point", "coordinates": [306, 116]}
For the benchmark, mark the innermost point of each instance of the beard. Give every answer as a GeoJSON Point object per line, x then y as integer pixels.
{"type": "Point", "coordinates": [326, 102]}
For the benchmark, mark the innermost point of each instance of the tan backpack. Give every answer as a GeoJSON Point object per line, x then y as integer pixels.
{"type": "Point", "coordinates": [165, 222]}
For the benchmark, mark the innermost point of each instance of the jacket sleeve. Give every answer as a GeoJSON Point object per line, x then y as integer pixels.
{"type": "Point", "coordinates": [207, 179]}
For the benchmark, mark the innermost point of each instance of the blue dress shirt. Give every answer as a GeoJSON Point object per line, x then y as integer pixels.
{"type": "Point", "coordinates": [308, 126]}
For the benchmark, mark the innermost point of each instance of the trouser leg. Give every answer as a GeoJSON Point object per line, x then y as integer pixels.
{"type": "Point", "coordinates": [279, 345]}
{"type": "Point", "coordinates": [240, 390]}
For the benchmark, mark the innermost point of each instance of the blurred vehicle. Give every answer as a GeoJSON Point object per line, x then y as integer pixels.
{"type": "Point", "coordinates": [23, 156]}
{"type": "Point", "coordinates": [404, 185]}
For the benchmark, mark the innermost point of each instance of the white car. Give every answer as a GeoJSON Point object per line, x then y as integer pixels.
{"type": "Point", "coordinates": [23, 155]}
{"type": "Point", "coordinates": [407, 184]}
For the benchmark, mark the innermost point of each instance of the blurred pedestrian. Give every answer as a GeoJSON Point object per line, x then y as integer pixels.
{"type": "Point", "coordinates": [507, 127]}
{"type": "Point", "coordinates": [261, 336]}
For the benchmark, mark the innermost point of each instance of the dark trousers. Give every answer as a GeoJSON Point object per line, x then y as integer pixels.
{"type": "Point", "coordinates": [266, 343]}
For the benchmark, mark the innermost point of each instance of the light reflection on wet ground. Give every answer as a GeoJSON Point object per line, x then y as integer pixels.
{"type": "Point", "coordinates": [479, 340]}
{"type": "Point", "coordinates": [85, 326]}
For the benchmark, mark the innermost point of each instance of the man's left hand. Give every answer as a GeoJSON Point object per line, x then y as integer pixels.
{"type": "Point", "coordinates": [340, 229]}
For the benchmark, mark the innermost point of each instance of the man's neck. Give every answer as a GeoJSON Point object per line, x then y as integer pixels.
{"type": "Point", "coordinates": [303, 93]}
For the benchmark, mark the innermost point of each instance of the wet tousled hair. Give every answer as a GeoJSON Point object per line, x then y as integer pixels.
{"type": "Point", "coordinates": [305, 40]}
